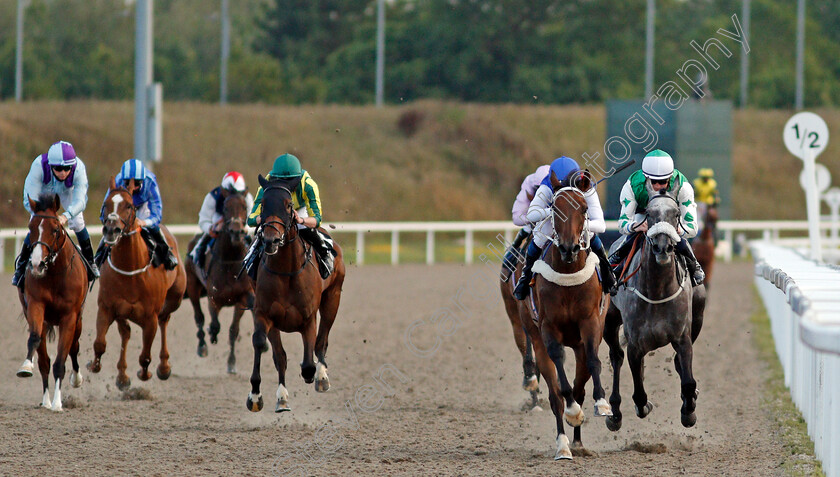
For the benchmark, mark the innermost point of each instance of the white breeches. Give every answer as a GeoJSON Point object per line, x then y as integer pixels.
{"type": "Point", "coordinates": [543, 232]}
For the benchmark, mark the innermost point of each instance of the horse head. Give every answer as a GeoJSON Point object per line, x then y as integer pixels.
{"type": "Point", "coordinates": [46, 234]}
{"type": "Point", "coordinates": [571, 234]}
{"type": "Point", "coordinates": [118, 213]}
{"type": "Point", "coordinates": [663, 219]}
{"type": "Point", "coordinates": [277, 226]}
{"type": "Point", "coordinates": [235, 213]}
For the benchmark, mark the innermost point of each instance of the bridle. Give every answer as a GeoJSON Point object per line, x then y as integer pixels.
{"type": "Point", "coordinates": [126, 224]}
{"type": "Point", "coordinates": [273, 224]}
{"type": "Point", "coordinates": [584, 239]}
{"type": "Point", "coordinates": [55, 249]}
{"type": "Point", "coordinates": [648, 238]}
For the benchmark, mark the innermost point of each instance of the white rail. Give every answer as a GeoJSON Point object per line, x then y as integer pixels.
{"type": "Point", "coordinates": [771, 230]}
{"type": "Point", "coordinates": [802, 299]}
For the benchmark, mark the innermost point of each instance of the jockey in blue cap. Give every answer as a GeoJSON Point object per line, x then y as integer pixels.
{"type": "Point", "coordinates": [540, 212]}
{"type": "Point", "coordinates": [61, 172]}
{"type": "Point", "coordinates": [142, 185]}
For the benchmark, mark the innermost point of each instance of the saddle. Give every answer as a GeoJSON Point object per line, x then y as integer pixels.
{"type": "Point", "coordinates": [156, 258]}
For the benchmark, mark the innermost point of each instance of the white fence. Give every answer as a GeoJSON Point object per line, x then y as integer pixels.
{"type": "Point", "coordinates": [770, 230]}
{"type": "Point", "coordinates": [802, 299]}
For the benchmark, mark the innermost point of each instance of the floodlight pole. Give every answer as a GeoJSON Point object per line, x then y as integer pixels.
{"type": "Point", "coordinates": [223, 76]}
{"type": "Point", "coordinates": [745, 63]}
{"type": "Point", "coordinates": [21, 6]}
{"type": "Point", "coordinates": [380, 53]}
{"type": "Point", "coordinates": [142, 77]}
{"type": "Point", "coordinates": [800, 54]}
{"type": "Point", "coordinates": [649, 40]}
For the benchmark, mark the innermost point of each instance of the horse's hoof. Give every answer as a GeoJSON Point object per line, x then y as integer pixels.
{"type": "Point", "coordinates": [202, 351]}
{"type": "Point", "coordinates": [688, 420]}
{"type": "Point", "coordinates": [307, 373]}
{"type": "Point", "coordinates": [574, 415]}
{"type": "Point", "coordinates": [254, 403]}
{"type": "Point", "coordinates": [162, 374]}
{"type": "Point", "coordinates": [613, 423]}
{"type": "Point", "coordinates": [76, 379]}
{"type": "Point", "coordinates": [643, 412]}
{"type": "Point", "coordinates": [563, 451]}
{"type": "Point", "coordinates": [231, 368]}
{"type": "Point", "coordinates": [26, 369]}
{"type": "Point", "coordinates": [94, 366]}
{"type": "Point", "coordinates": [602, 408]}
{"type": "Point", "coordinates": [531, 384]}
{"type": "Point", "coordinates": [123, 384]}
{"type": "Point", "coordinates": [322, 381]}
{"type": "Point", "coordinates": [144, 375]}
{"type": "Point", "coordinates": [214, 339]}
{"type": "Point", "coordinates": [282, 407]}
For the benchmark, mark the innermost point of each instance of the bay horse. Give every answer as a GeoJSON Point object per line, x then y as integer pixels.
{"type": "Point", "coordinates": [53, 294]}
{"type": "Point", "coordinates": [658, 306]}
{"type": "Point", "coordinates": [218, 279]}
{"type": "Point", "coordinates": [704, 245]}
{"type": "Point", "coordinates": [517, 311]}
{"type": "Point", "coordinates": [289, 294]}
{"type": "Point", "coordinates": [570, 306]}
{"type": "Point", "coordinates": [133, 289]}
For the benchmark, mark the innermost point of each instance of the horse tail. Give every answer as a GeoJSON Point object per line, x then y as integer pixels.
{"type": "Point", "coordinates": [50, 332]}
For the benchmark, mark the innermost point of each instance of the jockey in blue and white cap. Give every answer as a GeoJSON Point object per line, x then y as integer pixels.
{"type": "Point", "coordinates": [540, 212]}
{"type": "Point", "coordinates": [60, 172]}
{"type": "Point", "coordinates": [141, 183]}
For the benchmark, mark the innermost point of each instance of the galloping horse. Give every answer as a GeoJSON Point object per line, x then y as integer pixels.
{"type": "Point", "coordinates": [133, 289]}
{"type": "Point", "coordinates": [518, 311]}
{"type": "Point", "coordinates": [218, 280]}
{"type": "Point", "coordinates": [570, 304]}
{"type": "Point", "coordinates": [53, 294]}
{"type": "Point", "coordinates": [704, 246]}
{"type": "Point", "coordinates": [289, 294]}
{"type": "Point", "coordinates": [657, 307]}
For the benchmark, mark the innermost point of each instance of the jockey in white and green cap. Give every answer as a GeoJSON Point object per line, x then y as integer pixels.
{"type": "Point", "coordinates": [658, 170]}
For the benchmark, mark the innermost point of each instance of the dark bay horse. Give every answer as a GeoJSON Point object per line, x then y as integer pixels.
{"type": "Point", "coordinates": [704, 245]}
{"type": "Point", "coordinates": [658, 307]}
{"type": "Point", "coordinates": [53, 294]}
{"type": "Point", "coordinates": [517, 311]}
{"type": "Point", "coordinates": [289, 294]}
{"type": "Point", "coordinates": [571, 307]}
{"type": "Point", "coordinates": [133, 289]}
{"type": "Point", "coordinates": [218, 280]}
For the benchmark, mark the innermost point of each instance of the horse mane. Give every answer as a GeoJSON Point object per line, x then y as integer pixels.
{"type": "Point", "coordinates": [45, 202]}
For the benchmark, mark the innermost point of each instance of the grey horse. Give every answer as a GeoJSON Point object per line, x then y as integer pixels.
{"type": "Point", "coordinates": [658, 306]}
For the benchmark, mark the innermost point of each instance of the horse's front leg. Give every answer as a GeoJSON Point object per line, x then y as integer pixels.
{"type": "Point", "coordinates": [123, 381]}
{"type": "Point", "coordinates": [307, 366]}
{"type": "Point", "coordinates": [554, 346]}
{"type": "Point", "coordinates": [636, 360]}
{"type": "Point", "coordinates": [194, 289]}
{"type": "Point", "coordinates": [35, 319]}
{"type": "Point", "coordinates": [66, 335]}
{"type": "Point", "coordinates": [582, 376]}
{"type": "Point", "coordinates": [44, 368]}
{"type": "Point", "coordinates": [103, 322]}
{"type": "Point", "coordinates": [688, 385]}
{"type": "Point", "coordinates": [591, 333]}
{"type": "Point", "coordinates": [233, 334]}
{"type": "Point", "coordinates": [279, 355]}
{"type": "Point", "coordinates": [215, 326]}
{"type": "Point", "coordinates": [164, 369]}
{"type": "Point", "coordinates": [254, 403]}
{"type": "Point", "coordinates": [76, 378]}
{"type": "Point", "coordinates": [611, 327]}
{"type": "Point", "coordinates": [149, 331]}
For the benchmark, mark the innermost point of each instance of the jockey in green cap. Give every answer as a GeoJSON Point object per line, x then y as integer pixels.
{"type": "Point", "coordinates": [307, 205]}
{"type": "Point", "coordinates": [658, 170]}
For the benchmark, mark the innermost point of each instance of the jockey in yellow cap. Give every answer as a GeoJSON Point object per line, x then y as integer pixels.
{"type": "Point", "coordinates": [705, 187]}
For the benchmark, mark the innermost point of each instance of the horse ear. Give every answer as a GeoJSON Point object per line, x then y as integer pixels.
{"type": "Point", "coordinates": [112, 184]}
{"type": "Point", "coordinates": [31, 202]}
{"type": "Point", "coordinates": [56, 202]}
{"type": "Point", "coordinates": [294, 183]}
{"type": "Point", "coordinates": [263, 181]}
{"type": "Point", "coordinates": [583, 180]}
{"type": "Point", "coordinates": [555, 182]}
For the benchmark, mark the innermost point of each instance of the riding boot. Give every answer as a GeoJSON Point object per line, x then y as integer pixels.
{"type": "Point", "coordinates": [21, 262]}
{"type": "Point", "coordinates": [608, 281]}
{"type": "Point", "coordinates": [513, 255]}
{"type": "Point", "coordinates": [101, 254]}
{"type": "Point", "coordinates": [621, 253]}
{"type": "Point", "coordinates": [324, 251]}
{"type": "Point", "coordinates": [162, 249]}
{"type": "Point", "coordinates": [524, 283]}
{"type": "Point", "coordinates": [694, 267]}
{"type": "Point", "coordinates": [87, 252]}
{"type": "Point", "coordinates": [200, 250]}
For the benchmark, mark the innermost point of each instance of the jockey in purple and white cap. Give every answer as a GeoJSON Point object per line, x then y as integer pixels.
{"type": "Point", "coordinates": [60, 172]}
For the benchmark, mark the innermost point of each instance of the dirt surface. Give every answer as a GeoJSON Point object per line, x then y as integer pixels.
{"type": "Point", "coordinates": [447, 402]}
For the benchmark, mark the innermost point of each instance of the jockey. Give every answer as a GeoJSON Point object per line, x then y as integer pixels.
{"type": "Point", "coordinates": [519, 212]}
{"type": "Point", "coordinates": [540, 212]}
{"type": "Point", "coordinates": [211, 215]}
{"type": "Point", "coordinates": [705, 187]}
{"type": "Point", "coordinates": [307, 215]}
{"type": "Point", "coordinates": [146, 198]}
{"type": "Point", "coordinates": [60, 172]}
{"type": "Point", "coordinates": [658, 170]}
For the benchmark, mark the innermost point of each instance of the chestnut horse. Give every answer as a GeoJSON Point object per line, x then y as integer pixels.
{"type": "Point", "coordinates": [132, 288]}
{"type": "Point", "coordinates": [289, 294]}
{"type": "Point", "coordinates": [54, 293]}
{"type": "Point", "coordinates": [704, 245]}
{"type": "Point", "coordinates": [218, 280]}
{"type": "Point", "coordinates": [570, 306]}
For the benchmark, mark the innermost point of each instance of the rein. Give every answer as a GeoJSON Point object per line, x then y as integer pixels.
{"type": "Point", "coordinates": [584, 239]}
{"type": "Point", "coordinates": [52, 252]}
{"type": "Point", "coordinates": [288, 274]}
{"type": "Point", "coordinates": [131, 272]}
